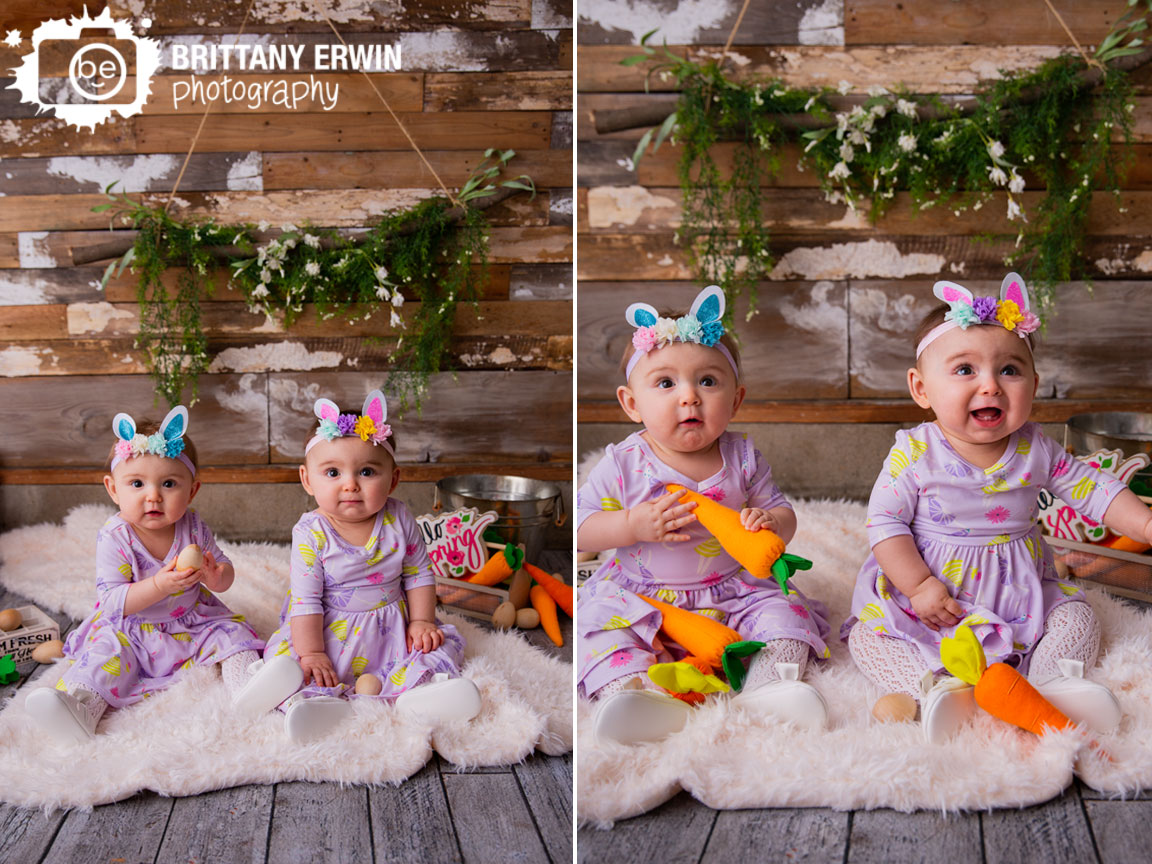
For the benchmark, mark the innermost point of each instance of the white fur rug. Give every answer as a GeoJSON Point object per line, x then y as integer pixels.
{"type": "Point", "coordinates": [186, 740]}
{"type": "Point", "coordinates": [728, 760]}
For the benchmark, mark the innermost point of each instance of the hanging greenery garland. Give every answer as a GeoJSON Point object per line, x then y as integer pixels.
{"type": "Point", "coordinates": [435, 252]}
{"type": "Point", "coordinates": [1064, 123]}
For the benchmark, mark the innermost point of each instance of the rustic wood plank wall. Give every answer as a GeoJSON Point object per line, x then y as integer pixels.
{"type": "Point", "coordinates": [479, 74]}
{"type": "Point", "coordinates": [830, 344]}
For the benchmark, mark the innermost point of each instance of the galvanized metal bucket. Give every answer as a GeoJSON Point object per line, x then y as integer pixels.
{"type": "Point", "coordinates": [524, 507]}
{"type": "Point", "coordinates": [1126, 431]}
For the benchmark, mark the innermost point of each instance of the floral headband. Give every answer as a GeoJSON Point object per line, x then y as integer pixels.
{"type": "Point", "coordinates": [1011, 311]}
{"type": "Point", "coordinates": [701, 325]}
{"type": "Point", "coordinates": [168, 442]}
{"type": "Point", "coordinates": [368, 426]}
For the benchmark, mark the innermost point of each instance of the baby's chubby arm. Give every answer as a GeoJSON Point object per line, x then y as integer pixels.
{"type": "Point", "coordinates": [423, 631]}
{"type": "Point", "coordinates": [781, 521]}
{"type": "Point", "coordinates": [217, 577]}
{"type": "Point", "coordinates": [905, 568]}
{"type": "Point", "coordinates": [308, 640]}
{"type": "Point", "coordinates": [1127, 515]}
{"type": "Point", "coordinates": [651, 522]}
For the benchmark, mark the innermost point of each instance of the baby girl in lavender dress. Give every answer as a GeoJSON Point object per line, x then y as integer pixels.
{"type": "Point", "coordinates": [683, 385]}
{"type": "Point", "coordinates": [952, 524]}
{"type": "Point", "coordinates": [151, 621]}
{"type": "Point", "coordinates": [363, 596]}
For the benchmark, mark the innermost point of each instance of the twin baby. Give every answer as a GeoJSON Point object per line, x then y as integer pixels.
{"type": "Point", "coordinates": [952, 523]}
{"type": "Point", "coordinates": [362, 598]}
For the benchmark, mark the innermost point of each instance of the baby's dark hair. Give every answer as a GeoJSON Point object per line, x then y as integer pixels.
{"type": "Point", "coordinates": [391, 438]}
{"type": "Point", "coordinates": [151, 427]}
{"type": "Point", "coordinates": [935, 318]}
{"type": "Point", "coordinates": [726, 340]}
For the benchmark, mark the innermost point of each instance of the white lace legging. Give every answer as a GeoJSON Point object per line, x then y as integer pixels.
{"type": "Point", "coordinates": [895, 666]}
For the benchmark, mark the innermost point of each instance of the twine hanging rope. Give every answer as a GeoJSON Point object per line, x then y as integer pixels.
{"type": "Point", "coordinates": [735, 27]}
{"type": "Point", "coordinates": [1089, 61]}
{"type": "Point", "coordinates": [204, 118]}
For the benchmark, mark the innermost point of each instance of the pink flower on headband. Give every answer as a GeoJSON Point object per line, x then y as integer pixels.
{"type": "Point", "coordinates": [123, 449]}
{"type": "Point", "coordinates": [645, 339]}
{"type": "Point", "coordinates": [1028, 322]}
{"type": "Point", "coordinates": [382, 433]}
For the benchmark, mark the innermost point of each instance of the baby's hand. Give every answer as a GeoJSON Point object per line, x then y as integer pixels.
{"type": "Point", "coordinates": [659, 520]}
{"type": "Point", "coordinates": [318, 668]}
{"type": "Point", "coordinates": [934, 606]}
{"type": "Point", "coordinates": [172, 581]}
{"type": "Point", "coordinates": [425, 635]}
{"type": "Point", "coordinates": [210, 571]}
{"type": "Point", "coordinates": [753, 519]}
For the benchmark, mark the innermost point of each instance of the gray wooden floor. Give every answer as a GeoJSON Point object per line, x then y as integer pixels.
{"type": "Point", "coordinates": [517, 813]}
{"type": "Point", "coordinates": [1079, 827]}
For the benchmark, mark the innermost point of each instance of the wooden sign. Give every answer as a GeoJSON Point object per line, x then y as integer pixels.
{"type": "Point", "coordinates": [455, 540]}
{"type": "Point", "coordinates": [1063, 522]}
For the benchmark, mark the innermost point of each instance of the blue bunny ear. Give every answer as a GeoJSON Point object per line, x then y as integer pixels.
{"type": "Point", "coordinates": [175, 424]}
{"type": "Point", "coordinates": [641, 315]}
{"type": "Point", "coordinates": [124, 426]}
{"type": "Point", "coordinates": [708, 305]}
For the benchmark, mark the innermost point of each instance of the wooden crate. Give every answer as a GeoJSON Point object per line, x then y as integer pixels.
{"type": "Point", "coordinates": [1127, 574]}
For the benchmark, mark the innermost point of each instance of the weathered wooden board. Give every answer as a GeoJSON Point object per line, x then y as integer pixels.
{"type": "Point", "coordinates": [498, 91]}
{"type": "Point", "coordinates": [562, 130]}
{"type": "Point", "coordinates": [131, 830]}
{"type": "Point", "coordinates": [932, 68]}
{"type": "Point", "coordinates": [229, 423]}
{"type": "Point", "coordinates": [62, 175]}
{"type": "Point", "coordinates": [1120, 829]}
{"type": "Point", "coordinates": [609, 257]}
{"type": "Point", "coordinates": [540, 282]}
{"type": "Point", "coordinates": [1077, 356]}
{"type": "Point", "coordinates": [228, 826]}
{"type": "Point", "coordinates": [547, 782]}
{"type": "Point", "coordinates": [795, 346]}
{"type": "Point", "coordinates": [801, 835]}
{"type": "Point", "coordinates": [398, 837]}
{"type": "Point", "coordinates": [674, 833]}
{"type": "Point", "coordinates": [763, 23]}
{"type": "Point", "coordinates": [1056, 832]}
{"type": "Point", "coordinates": [537, 404]}
{"type": "Point", "coordinates": [324, 207]}
{"type": "Point", "coordinates": [375, 169]}
{"type": "Point", "coordinates": [48, 136]}
{"type": "Point", "coordinates": [888, 835]}
{"type": "Point", "coordinates": [502, 828]}
{"type": "Point", "coordinates": [25, 835]}
{"type": "Point", "coordinates": [328, 819]}
{"type": "Point", "coordinates": [989, 22]}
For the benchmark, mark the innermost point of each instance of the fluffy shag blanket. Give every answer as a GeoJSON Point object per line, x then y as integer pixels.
{"type": "Point", "coordinates": [729, 760]}
{"type": "Point", "coordinates": [186, 740]}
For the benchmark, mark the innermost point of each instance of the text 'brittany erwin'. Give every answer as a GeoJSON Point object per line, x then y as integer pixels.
{"type": "Point", "coordinates": [326, 57]}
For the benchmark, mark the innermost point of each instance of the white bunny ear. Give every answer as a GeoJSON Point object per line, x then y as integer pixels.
{"type": "Point", "coordinates": [376, 407]}
{"type": "Point", "coordinates": [641, 315]}
{"type": "Point", "coordinates": [124, 427]}
{"type": "Point", "coordinates": [1014, 289]}
{"type": "Point", "coordinates": [326, 409]}
{"type": "Point", "coordinates": [950, 292]}
{"type": "Point", "coordinates": [175, 424]}
{"type": "Point", "coordinates": [709, 304]}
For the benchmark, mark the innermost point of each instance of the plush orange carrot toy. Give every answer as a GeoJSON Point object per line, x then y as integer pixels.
{"type": "Point", "coordinates": [1000, 690]}
{"type": "Point", "coordinates": [546, 606]}
{"type": "Point", "coordinates": [499, 567]}
{"type": "Point", "coordinates": [761, 552]}
{"type": "Point", "coordinates": [556, 589]}
{"type": "Point", "coordinates": [699, 635]}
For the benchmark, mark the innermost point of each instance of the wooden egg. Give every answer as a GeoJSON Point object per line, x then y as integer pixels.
{"type": "Point", "coordinates": [10, 619]}
{"type": "Point", "coordinates": [48, 651]}
{"type": "Point", "coordinates": [368, 685]}
{"type": "Point", "coordinates": [190, 558]}
{"type": "Point", "coordinates": [518, 590]}
{"type": "Point", "coordinates": [504, 616]}
{"type": "Point", "coordinates": [527, 618]}
{"type": "Point", "coordinates": [895, 708]}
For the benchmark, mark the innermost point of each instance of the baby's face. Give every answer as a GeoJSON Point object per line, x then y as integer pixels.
{"type": "Point", "coordinates": [685, 394]}
{"type": "Point", "coordinates": [979, 382]}
{"type": "Point", "coordinates": [349, 478]}
{"type": "Point", "coordinates": [152, 492]}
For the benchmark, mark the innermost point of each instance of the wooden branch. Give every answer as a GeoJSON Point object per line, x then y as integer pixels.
{"type": "Point", "coordinates": [641, 116]}
{"type": "Point", "coordinates": [124, 240]}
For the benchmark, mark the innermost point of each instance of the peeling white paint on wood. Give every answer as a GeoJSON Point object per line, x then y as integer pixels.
{"type": "Point", "coordinates": [136, 176]}
{"type": "Point", "coordinates": [823, 24]}
{"type": "Point", "coordinates": [15, 292]}
{"type": "Point", "coordinates": [1141, 263]}
{"type": "Point", "coordinates": [681, 25]}
{"type": "Point", "coordinates": [442, 51]}
{"type": "Point", "coordinates": [274, 357]}
{"type": "Point", "coordinates": [610, 206]}
{"type": "Point", "coordinates": [285, 391]}
{"type": "Point", "coordinates": [87, 319]}
{"type": "Point", "coordinates": [548, 15]}
{"type": "Point", "coordinates": [32, 247]}
{"type": "Point", "coordinates": [818, 315]}
{"type": "Point", "coordinates": [247, 173]}
{"type": "Point", "coordinates": [18, 361]}
{"type": "Point", "coordinates": [863, 260]}
{"type": "Point", "coordinates": [248, 399]}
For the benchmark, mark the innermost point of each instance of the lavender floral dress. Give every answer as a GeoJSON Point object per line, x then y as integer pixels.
{"type": "Point", "coordinates": [616, 630]}
{"type": "Point", "coordinates": [360, 591]}
{"type": "Point", "coordinates": [125, 658]}
{"type": "Point", "coordinates": [976, 529]}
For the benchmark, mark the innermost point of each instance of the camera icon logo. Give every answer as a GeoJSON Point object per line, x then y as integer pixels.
{"type": "Point", "coordinates": [87, 69]}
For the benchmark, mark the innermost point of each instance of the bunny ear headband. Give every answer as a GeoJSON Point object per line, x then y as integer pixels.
{"type": "Point", "coordinates": [168, 442]}
{"type": "Point", "coordinates": [369, 426]}
{"type": "Point", "coordinates": [702, 325]}
{"type": "Point", "coordinates": [1012, 311]}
